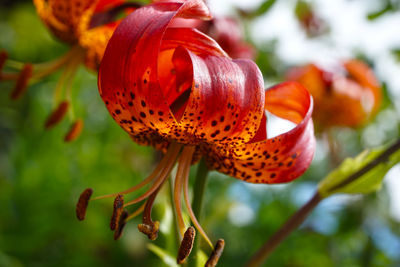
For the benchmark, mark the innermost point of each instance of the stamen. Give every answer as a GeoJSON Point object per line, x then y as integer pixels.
{"type": "Point", "coordinates": [76, 53]}
{"type": "Point", "coordinates": [166, 170]}
{"type": "Point", "coordinates": [189, 208]}
{"type": "Point", "coordinates": [117, 211]}
{"type": "Point", "coordinates": [22, 81]}
{"type": "Point", "coordinates": [121, 225]}
{"type": "Point", "coordinates": [83, 203]}
{"type": "Point", "coordinates": [186, 245]}
{"type": "Point", "coordinates": [167, 160]}
{"type": "Point", "coordinates": [3, 58]}
{"type": "Point", "coordinates": [148, 227]}
{"type": "Point", "coordinates": [74, 131]}
{"type": "Point", "coordinates": [216, 254]}
{"type": "Point", "coordinates": [57, 115]}
{"type": "Point", "coordinates": [151, 230]}
{"type": "Point", "coordinates": [183, 170]}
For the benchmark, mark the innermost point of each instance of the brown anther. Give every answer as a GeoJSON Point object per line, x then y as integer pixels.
{"type": "Point", "coordinates": [83, 203]}
{"type": "Point", "coordinates": [57, 115]}
{"type": "Point", "coordinates": [74, 131]}
{"type": "Point", "coordinates": [117, 211]}
{"type": "Point", "coordinates": [121, 224]}
{"type": "Point", "coordinates": [22, 81]}
{"type": "Point", "coordinates": [186, 245]}
{"type": "Point", "coordinates": [216, 254]}
{"type": "Point", "coordinates": [151, 230]}
{"type": "Point", "coordinates": [3, 59]}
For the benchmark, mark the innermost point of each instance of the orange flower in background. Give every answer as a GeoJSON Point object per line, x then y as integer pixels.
{"type": "Point", "coordinates": [177, 90]}
{"type": "Point", "coordinates": [346, 98]}
{"type": "Point", "coordinates": [84, 25]}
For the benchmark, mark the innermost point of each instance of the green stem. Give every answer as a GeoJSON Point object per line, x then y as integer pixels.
{"type": "Point", "coordinates": [290, 225]}
{"type": "Point", "coordinates": [175, 236]}
{"type": "Point", "coordinates": [295, 221]}
{"type": "Point", "coordinates": [198, 193]}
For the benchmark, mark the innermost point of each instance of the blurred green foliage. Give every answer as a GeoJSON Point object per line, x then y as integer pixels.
{"type": "Point", "coordinates": [41, 178]}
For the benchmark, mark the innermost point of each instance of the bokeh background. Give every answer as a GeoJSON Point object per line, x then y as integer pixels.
{"type": "Point", "coordinates": [41, 177]}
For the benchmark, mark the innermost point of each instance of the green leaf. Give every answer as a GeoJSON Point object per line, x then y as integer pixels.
{"type": "Point", "coordinates": [341, 181]}
{"type": "Point", "coordinates": [379, 13]}
{"type": "Point", "coordinates": [265, 7]}
{"type": "Point", "coordinates": [163, 254]}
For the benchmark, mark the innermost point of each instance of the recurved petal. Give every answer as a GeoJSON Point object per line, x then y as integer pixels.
{"type": "Point", "coordinates": [178, 84]}
{"type": "Point", "coordinates": [226, 101]}
{"type": "Point", "coordinates": [279, 159]}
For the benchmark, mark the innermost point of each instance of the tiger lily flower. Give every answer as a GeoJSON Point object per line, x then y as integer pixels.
{"type": "Point", "coordinates": [176, 90]}
{"type": "Point", "coordinates": [348, 98]}
{"type": "Point", "coordinates": [86, 26]}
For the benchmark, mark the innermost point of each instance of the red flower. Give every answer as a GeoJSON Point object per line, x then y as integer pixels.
{"type": "Point", "coordinates": [341, 99]}
{"type": "Point", "coordinates": [177, 90]}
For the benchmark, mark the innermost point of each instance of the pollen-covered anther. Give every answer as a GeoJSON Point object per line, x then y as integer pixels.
{"type": "Point", "coordinates": [216, 254]}
{"type": "Point", "coordinates": [151, 230]}
{"type": "Point", "coordinates": [186, 245]}
{"type": "Point", "coordinates": [83, 203]}
{"type": "Point", "coordinates": [121, 224]}
{"type": "Point", "coordinates": [22, 81]}
{"type": "Point", "coordinates": [74, 131]}
{"type": "Point", "coordinates": [117, 211]}
{"type": "Point", "coordinates": [57, 115]}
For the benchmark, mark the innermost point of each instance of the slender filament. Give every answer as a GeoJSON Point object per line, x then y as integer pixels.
{"type": "Point", "coordinates": [189, 208]}
{"type": "Point", "coordinates": [172, 153]}
{"type": "Point", "coordinates": [165, 171]}
{"type": "Point", "coordinates": [183, 170]}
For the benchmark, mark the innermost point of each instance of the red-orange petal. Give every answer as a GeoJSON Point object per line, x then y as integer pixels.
{"type": "Point", "coordinates": [177, 84]}
{"type": "Point", "coordinates": [279, 159]}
